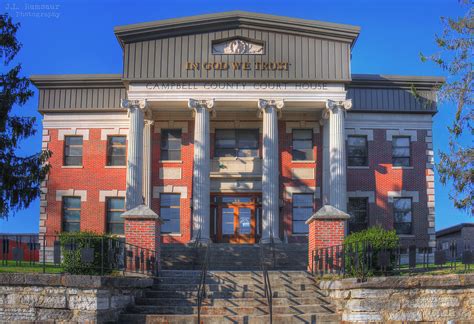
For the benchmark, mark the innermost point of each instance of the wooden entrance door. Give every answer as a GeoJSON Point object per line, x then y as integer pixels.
{"type": "Point", "coordinates": [236, 220]}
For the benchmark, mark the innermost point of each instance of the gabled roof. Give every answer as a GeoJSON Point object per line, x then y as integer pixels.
{"type": "Point", "coordinates": [453, 229]}
{"type": "Point", "coordinates": [232, 20]}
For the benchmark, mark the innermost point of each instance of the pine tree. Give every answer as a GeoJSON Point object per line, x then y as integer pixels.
{"type": "Point", "coordinates": [20, 176]}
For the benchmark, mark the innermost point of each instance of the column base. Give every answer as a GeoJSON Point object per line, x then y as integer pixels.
{"type": "Point", "coordinates": [267, 240]}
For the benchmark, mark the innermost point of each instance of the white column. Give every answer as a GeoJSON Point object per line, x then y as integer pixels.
{"type": "Point", "coordinates": [270, 170]}
{"type": "Point", "coordinates": [337, 149]}
{"type": "Point", "coordinates": [136, 109]}
{"type": "Point", "coordinates": [201, 171]}
{"type": "Point", "coordinates": [147, 162]}
{"type": "Point", "coordinates": [326, 154]}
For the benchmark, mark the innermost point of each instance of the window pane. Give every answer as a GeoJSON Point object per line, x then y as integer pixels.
{"type": "Point", "coordinates": [302, 145]}
{"type": "Point", "coordinates": [403, 228]}
{"type": "Point", "coordinates": [227, 221]}
{"type": "Point", "coordinates": [73, 150]}
{"type": "Point", "coordinates": [116, 203]}
{"type": "Point", "coordinates": [401, 141]}
{"type": "Point", "coordinates": [73, 140]}
{"type": "Point", "coordinates": [403, 217]}
{"type": "Point", "coordinates": [246, 153]}
{"type": "Point", "coordinates": [71, 215]}
{"type": "Point", "coordinates": [72, 202]}
{"type": "Point", "coordinates": [170, 226]}
{"type": "Point", "coordinates": [303, 134]}
{"type": "Point", "coordinates": [116, 228]}
{"type": "Point", "coordinates": [357, 161]}
{"type": "Point", "coordinates": [300, 227]}
{"type": "Point", "coordinates": [303, 200]}
{"type": "Point", "coordinates": [402, 203]}
{"type": "Point", "coordinates": [170, 199]}
{"type": "Point", "coordinates": [171, 144]}
{"type": "Point", "coordinates": [357, 141]}
{"type": "Point", "coordinates": [248, 138]}
{"type": "Point", "coordinates": [302, 213]}
{"type": "Point", "coordinates": [117, 140]}
{"type": "Point", "coordinates": [225, 152]}
{"type": "Point", "coordinates": [401, 152]}
{"type": "Point", "coordinates": [225, 138]}
{"type": "Point", "coordinates": [169, 213]}
{"type": "Point", "coordinates": [71, 227]}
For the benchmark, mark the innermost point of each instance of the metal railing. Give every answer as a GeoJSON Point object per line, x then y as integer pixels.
{"type": "Point", "coordinates": [266, 279]}
{"type": "Point", "coordinates": [75, 254]}
{"type": "Point", "coordinates": [201, 292]}
{"type": "Point", "coordinates": [363, 259]}
{"type": "Point", "coordinates": [196, 245]}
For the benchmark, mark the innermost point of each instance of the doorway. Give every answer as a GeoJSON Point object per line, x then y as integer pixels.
{"type": "Point", "coordinates": [236, 218]}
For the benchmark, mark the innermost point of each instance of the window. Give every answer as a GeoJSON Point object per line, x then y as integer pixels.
{"type": "Point", "coordinates": [402, 215]}
{"type": "Point", "coordinates": [169, 212]}
{"type": "Point", "coordinates": [115, 208]}
{"type": "Point", "coordinates": [71, 214]}
{"type": "Point", "coordinates": [171, 144]}
{"type": "Point", "coordinates": [73, 150]}
{"type": "Point", "coordinates": [357, 151]}
{"type": "Point", "coordinates": [401, 151]}
{"type": "Point", "coordinates": [116, 150]}
{"type": "Point", "coordinates": [302, 149]}
{"type": "Point", "coordinates": [358, 209]}
{"type": "Point", "coordinates": [302, 210]}
{"type": "Point", "coordinates": [236, 142]}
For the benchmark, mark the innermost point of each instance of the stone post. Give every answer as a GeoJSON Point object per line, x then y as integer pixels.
{"type": "Point", "coordinates": [270, 170]}
{"type": "Point", "coordinates": [136, 109]}
{"type": "Point", "coordinates": [326, 229]}
{"type": "Point", "coordinates": [142, 230]}
{"type": "Point", "coordinates": [201, 170]}
{"type": "Point", "coordinates": [336, 111]}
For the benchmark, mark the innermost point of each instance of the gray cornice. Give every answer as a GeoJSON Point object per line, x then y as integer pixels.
{"type": "Point", "coordinates": [395, 81]}
{"type": "Point", "coordinates": [231, 20]}
{"type": "Point", "coordinates": [77, 80]}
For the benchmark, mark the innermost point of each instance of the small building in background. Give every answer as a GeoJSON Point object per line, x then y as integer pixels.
{"type": "Point", "coordinates": [462, 234]}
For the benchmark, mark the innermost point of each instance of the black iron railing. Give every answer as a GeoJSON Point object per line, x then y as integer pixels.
{"type": "Point", "coordinates": [362, 259]}
{"type": "Point", "coordinates": [76, 254]}
{"type": "Point", "coordinates": [266, 279]}
{"type": "Point", "coordinates": [201, 292]}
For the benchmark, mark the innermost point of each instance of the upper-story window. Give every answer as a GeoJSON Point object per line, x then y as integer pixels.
{"type": "Point", "coordinates": [171, 144]}
{"type": "Point", "coordinates": [71, 214]}
{"type": "Point", "coordinates": [302, 149]}
{"type": "Point", "coordinates": [115, 208]}
{"type": "Point", "coordinates": [170, 212]}
{"type": "Point", "coordinates": [401, 151]}
{"type": "Point", "coordinates": [358, 209]}
{"type": "Point", "coordinates": [402, 212]}
{"type": "Point", "coordinates": [73, 150]}
{"type": "Point", "coordinates": [357, 152]}
{"type": "Point", "coordinates": [116, 150]}
{"type": "Point", "coordinates": [302, 210]}
{"type": "Point", "coordinates": [236, 142]}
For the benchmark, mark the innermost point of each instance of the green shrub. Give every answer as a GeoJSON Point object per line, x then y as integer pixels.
{"type": "Point", "coordinates": [368, 244]}
{"type": "Point", "coordinates": [75, 244]}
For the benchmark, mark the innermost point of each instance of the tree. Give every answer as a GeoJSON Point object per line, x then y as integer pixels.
{"type": "Point", "coordinates": [455, 58]}
{"type": "Point", "coordinates": [20, 176]}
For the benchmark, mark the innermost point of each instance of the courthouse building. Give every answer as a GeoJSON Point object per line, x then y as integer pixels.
{"type": "Point", "coordinates": [236, 127]}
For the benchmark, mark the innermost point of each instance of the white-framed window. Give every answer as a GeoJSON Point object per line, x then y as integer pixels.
{"type": "Point", "coordinates": [170, 208]}
{"type": "Point", "coordinates": [302, 209]}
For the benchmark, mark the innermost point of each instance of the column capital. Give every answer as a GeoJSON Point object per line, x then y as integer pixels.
{"type": "Point", "coordinates": [203, 103]}
{"type": "Point", "coordinates": [271, 103]}
{"type": "Point", "coordinates": [149, 122]}
{"type": "Point", "coordinates": [334, 106]}
{"type": "Point", "coordinates": [136, 103]}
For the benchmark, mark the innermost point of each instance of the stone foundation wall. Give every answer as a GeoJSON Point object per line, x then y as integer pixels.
{"type": "Point", "coordinates": [69, 298]}
{"type": "Point", "coordinates": [419, 298]}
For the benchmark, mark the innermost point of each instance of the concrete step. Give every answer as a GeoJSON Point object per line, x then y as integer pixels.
{"type": "Point", "coordinates": [236, 287]}
{"type": "Point", "coordinates": [219, 319]}
{"type": "Point", "coordinates": [230, 310]}
{"type": "Point", "coordinates": [233, 280]}
{"type": "Point", "coordinates": [234, 294]}
{"type": "Point", "coordinates": [229, 302]}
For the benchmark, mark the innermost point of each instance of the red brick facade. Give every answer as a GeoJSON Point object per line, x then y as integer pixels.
{"type": "Point", "coordinates": [379, 177]}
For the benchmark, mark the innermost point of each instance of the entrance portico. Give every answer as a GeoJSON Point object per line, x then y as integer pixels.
{"type": "Point", "coordinates": [210, 100]}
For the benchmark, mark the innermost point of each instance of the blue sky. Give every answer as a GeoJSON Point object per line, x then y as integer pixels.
{"type": "Point", "coordinates": [77, 37]}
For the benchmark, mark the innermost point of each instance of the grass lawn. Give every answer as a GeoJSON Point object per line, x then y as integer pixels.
{"type": "Point", "coordinates": [14, 267]}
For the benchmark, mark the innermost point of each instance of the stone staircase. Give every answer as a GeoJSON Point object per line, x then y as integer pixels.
{"type": "Point", "coordinates": [232, 297]}
{"type": "Point", "coordinates": [236, 257]}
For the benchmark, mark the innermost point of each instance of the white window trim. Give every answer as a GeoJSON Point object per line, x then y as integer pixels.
{"type": "Point", "coordinates": [412, 134]}
{"type": "Point", "coordinates": [289, 191]}
{"type": "Point", "coordinates": [160, 125]}
{"type": "Point", "coordinates": [104, 194]}
{"type": "Point", "coordinates": [71, 193]}
{"type": "Point", "coordinates": [370, 195]}
{"type": "Point", "coordinates": [414, 195]}
{"type": "Point", "coordinates": [104, 133]}
{"type": "Point", "coordinates": [157, 190]}
{"type": "Point", "coordinates": [369, 133]}
{"type": "Point", "coordinates": [73, 132]}
{"type": "Point", "coordinates": [315, 126]}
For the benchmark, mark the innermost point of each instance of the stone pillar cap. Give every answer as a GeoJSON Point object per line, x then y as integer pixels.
{"type": "Point", "coordinates": [141, 212]}
{"type": "Point", "coordinates": [328, 212]}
